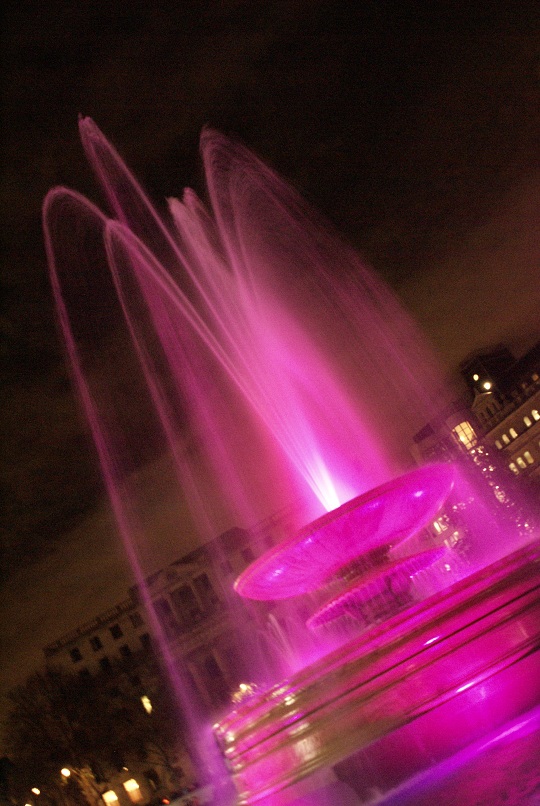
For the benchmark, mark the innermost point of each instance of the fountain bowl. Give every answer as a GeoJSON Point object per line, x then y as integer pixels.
{"type": "Point", "coordinates": [401, 696]}
{"type": "Point", "coordinates": [385, 516]}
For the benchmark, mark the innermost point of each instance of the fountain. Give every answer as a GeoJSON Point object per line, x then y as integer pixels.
{"type": "Point", "coordinates": [243, 325]}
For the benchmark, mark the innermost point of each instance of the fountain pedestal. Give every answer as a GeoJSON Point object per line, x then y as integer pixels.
{"type": "Point", "coordinates": [403, 696]}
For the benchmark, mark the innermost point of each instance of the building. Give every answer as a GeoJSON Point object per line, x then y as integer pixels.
{"type": "Point", "coordinates": [188, 598]}
{"type": "Point", "coordinates": [191, 607]}
{"type": "Point", "coordinates": [506, 402]}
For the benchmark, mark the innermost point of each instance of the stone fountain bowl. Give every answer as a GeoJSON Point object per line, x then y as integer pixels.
{"type": "Point", "coordinates": [401, 697]}
{"type": "Point", "coordinates": [386, 515]}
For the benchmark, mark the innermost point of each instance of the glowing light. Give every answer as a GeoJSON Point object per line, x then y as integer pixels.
{"type": "Point", "coordinates": [465, 433]}
{"type": "Point", "coordinates": [476, 377]}
{"type": "Point", "coordinates": [110, 797]}
{"type": "Point", "coordinates": [432, 640]}
{"type": "Point", "coordinates": [487, 385]}
{"type": "Point", "coordinates": [132, 788]}
{"type": "Point", "coordinates": [244, 691]}
{"type": "Point", "coordinates": [36, 791]}
{"type": "Point", "coordinates": [465, 686]}
{"type": "Point", "coordinates": [65, 772]}
{"type": "Point", "coordinates": [147, 705]}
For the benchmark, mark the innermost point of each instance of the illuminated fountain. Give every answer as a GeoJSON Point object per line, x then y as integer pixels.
{"type": "Point", "coordinates": [247, 321]}
{"type": "Point", "coordinates": [420, 681]}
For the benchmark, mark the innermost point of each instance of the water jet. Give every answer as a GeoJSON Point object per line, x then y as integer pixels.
{"type": "Point", "coordinates": [260, 353]}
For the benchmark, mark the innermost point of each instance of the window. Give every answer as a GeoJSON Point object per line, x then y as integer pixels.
{"type": "Point", "coordinates": [464, 433]}
{"type": "Point", "coordinates": [513, 433]}
{"type": "Point", "coordinates": [527, 421]}
{"type": "Point", "coordinates": [521, 462]}
{"type": "Point", "coordinates": [505, 439]}
{"type": "Point", "coordinates": [116, 632]}
{"type": "Point", "coordinates": [75, 654]}
{"type": "Point", "coordinates": [441, 524]}
{"type": "Point", "coordinates": [214, 680]}
{"type": "Point", "coordinates": [105, 664]}
{"type": "Point", "coordinates": [136, 619]}
{"type": "Point", "coordinates": [186, 605]}
{"type": "Point", "coordinates": [152, 777]}
{"type": "Point", "coordinates": [95, 643]}
{"type": "Point", "coordinates": [528, 458]}
{"type": "Point", "coordinates": [110, 798]}
{"type": "Point", "coordinates": [133, 790]}
{"type": "Point", "coordinates": [166, 616]}
{"type": "Point", "coordinates": [498, 444]}
{"type": "Point", "coordinates": [205, 591]}
{"type": "Point", "coordinates": [125, 651]}
{"type": "Point", "coordinates": [535, 414]}
{"type": "Point", "coordinates": [513, 468]}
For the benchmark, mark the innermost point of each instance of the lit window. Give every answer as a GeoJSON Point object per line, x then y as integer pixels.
{"type": "Point", "coordinates": [528, 457]}
{"type": "Point", "coordinates": [465, 434]}
{"type": "Point", "coordinates": [535, 414]}
{"type": "Point", "coordinates": [505, 439]}
{"type": "Point", "coordinates": [527, 421]}
{"type": "Point", "coordinates": [132, 788]}
{"type": "Point", "coordinates": [534, 376]}
{"type": "Point", "coordinates": [147, 705]}
{"type": "Point", "coordinates": [498, 444]}
{"type": "Point", "coordinates": [521, 462]}
{"type": "Point", "coordinates": [513, 433]}
{"type": "Point", "coordinates": [110, 797]}
{"type": "Point", "coordinates": [441, 524]}
{"type": "Point", "coordinates": [513, 468]}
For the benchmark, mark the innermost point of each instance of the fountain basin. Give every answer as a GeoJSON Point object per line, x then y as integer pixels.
{"type": "Point", "coordinates": [383, 517]}
{"type": "Point", "coordinates": [402, 696]}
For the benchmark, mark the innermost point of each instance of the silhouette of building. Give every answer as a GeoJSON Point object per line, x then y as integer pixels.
{"type": "Point", "coordinates": [188, 599]}
{"type": "Point", "coordinates": [502, 412]}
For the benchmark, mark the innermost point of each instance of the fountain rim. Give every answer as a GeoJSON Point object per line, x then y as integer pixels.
{"type": "Point", "coordinates": [437, 479]}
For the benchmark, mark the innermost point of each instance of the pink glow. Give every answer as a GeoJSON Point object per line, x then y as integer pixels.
{"type": "Point", "coordinates": [387, 515]}
{"type": "Point", "coordinates": [247, 343]}
{"type": "Point", "coordinates": [376, 594]}
{"type": "Point", "coordinates": [220, 296]}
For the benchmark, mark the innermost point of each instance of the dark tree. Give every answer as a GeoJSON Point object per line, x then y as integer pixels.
{"type": "Point", "coordinates": [85, 724]}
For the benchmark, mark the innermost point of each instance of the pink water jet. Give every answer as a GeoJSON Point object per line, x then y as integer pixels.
{"type": "Point", "coordinates": [250, 344]}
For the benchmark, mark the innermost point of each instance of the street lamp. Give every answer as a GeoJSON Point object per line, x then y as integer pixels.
{"type": "Point", "coordinates": [65, 772]}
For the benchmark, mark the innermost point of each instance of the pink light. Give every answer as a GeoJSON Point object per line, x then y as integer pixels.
{"type": "Point", "coordinates": [386, 515]}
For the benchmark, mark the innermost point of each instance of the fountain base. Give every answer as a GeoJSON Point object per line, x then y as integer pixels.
{"type": "Point", "coordinates": [402, 696]}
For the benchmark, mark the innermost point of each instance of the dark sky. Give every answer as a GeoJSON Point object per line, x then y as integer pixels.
{"type": "Point", "coordinates": [414, 127]}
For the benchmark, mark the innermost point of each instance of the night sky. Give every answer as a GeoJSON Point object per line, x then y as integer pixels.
{"type": "Point", "coordinates": [414, 127]}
